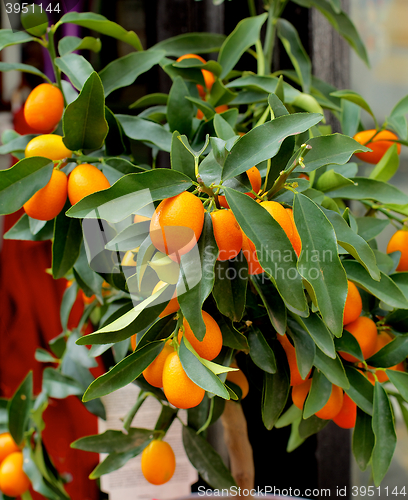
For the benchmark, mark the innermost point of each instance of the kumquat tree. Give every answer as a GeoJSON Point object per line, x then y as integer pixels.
{"type": "Point", "coordinates": [250, 263]}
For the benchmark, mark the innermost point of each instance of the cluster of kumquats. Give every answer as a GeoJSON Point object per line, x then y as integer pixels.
{"type": "Point", "coordinates": [43, 111]}
{"type": "Point", "coordinates": [13, 480]}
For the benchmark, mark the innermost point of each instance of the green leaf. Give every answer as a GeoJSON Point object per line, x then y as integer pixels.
{"type": "Point", "coordinates": [87, 279]}
{"type": "Point", "coordinates": [146, 131]}
{"type": "Point", "coordinates": [370, 227]}
{"type": "Point", "coordinates": [25, 68]}
{"type": "Point", "coordinates": [130, 238]}
{"type": "Point", "coordinates": [22, 231]}
{"type": "Point", "coordinates": [275, 252]}
{"type": "Point", "coordinates": [304, 346]}
{"type": "Point", "coordinates": [21, 181]}
{"type": "Point", "coordinates": [115, 144]}
{"type": "Point", "coordinates": [10, 37]}
{"type": "Point", "coordinates": [66, 244]}
{"type": "Point", "coordinates": [197, 277]}
{"type": "Point", "coordinates": [319, 333]}
{"type": "Point", "coordinates": [113, 441]}
{"type": "Point", "coordinates": [350, 117]}
{"type": "Point", "coordinates": [391, 354]}
{"type": "Point", "coordinates": [387, 166]}
{"type": "Point", "coordinates": [180, 158]}
{"type": "Point", "coordinates": [206, 460]}
{"type": "Point", "coordinates": [348, 343]}
{"type": "Point", "coordinates": [300, 60]}
{"type": "Point", "coordinates": [350, 95]}
{"type": "Point", "coordinates": [361, 391]}
{"type": "Point", "coordinates": [334, 149]}
{"type": "Point", "coordinates": [400, 380]}
{"type": "Point", "coordinates": [16, 143]}
{"type": "Point", "coordinates": [84, 123]}
{"type": "Point", "coordinates": [101, 24]}
{"type": "Point", "coordinates": [124, 71]}
{"type": "Point", "coordinates": [260, 351]}
{"type": "Point", "coordinates": [318, 396]}
{"type": "Point", "coordinates": [222, 128]}
{"type": "Point", "coordinates": [384, 432]}
{"type": "Point", "coordinates": [19, 409]}
{"type": "Point", "coordinates": [332, 368]}
{"type": "Point", "coordinates": [124, 372]}
{"type": "Point", "coordinates": [363, 439]}
{"type": "Point", "coordinates": [199, 373]}
{"type": "Point", "coordinates": [245, 34]}
{"type": "Point", "coordinates": [230, 286]}
{"type": "Point", "coordinates": [115, 461]}
{"type": "Point", "coordinates": [231, 337]}
{"type": "Point", "coordinates": [371, 189]}
{"type": "Point", "coordinates": [196, 43]}
{"type": "Point", "coordinates": [325, 274]}
{"type": "Point", "coordinates": [275, 307]}
{"type": "Point", "coordinates": [76, 67]}
{"type": "Point", "coordinates": [179, 110]}
{"type": "Point", "coordinates": [353, 243]}
{"type": "Point", "coordinates": [69, 44]}
{"type": "Point", "coordinates": [135, 191]}
{"type": "Point", "coordinates": [275, 392]}
{"type": "Point", "coordinates": [385, 289]}
{"type": "Point", "coordinates": [330, 180]}
{"type": "Point", "coordinates": [264, 142]}
{"type": "Point", "coordinates": [60, 386]}
{"type": "Point", "coordinates": [343, 24]}
{"type": "Point", "coordinates": [311, 425]}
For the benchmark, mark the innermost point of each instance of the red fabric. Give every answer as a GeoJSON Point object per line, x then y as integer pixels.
{"type": "Point", "coordinates": [29, 317]}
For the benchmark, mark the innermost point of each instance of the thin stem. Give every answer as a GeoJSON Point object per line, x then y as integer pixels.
{"type": "Point", "coordinates": [269, 42]}
{"type": "Point", "coordinates": [252, 8]}
{"type": "Point", "coordinates": [385, 211]}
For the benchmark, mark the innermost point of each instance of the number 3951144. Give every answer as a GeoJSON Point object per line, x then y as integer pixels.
{"type": "Point", "coordinates": [25, 8]}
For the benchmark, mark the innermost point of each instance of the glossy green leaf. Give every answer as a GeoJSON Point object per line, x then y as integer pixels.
{"type": "Point", "coordinates": [245, 34]}
{"type": "Point", "coordinates": [230, 286]}
{"type": "Point", "coordinates": [19, 408]}
{"type": "Point", "coordinates": [196, 43]}
{"type": "Point", "coordinates": [311, 425]}
{"type": "Point", "coordinates": [124, 71]}
{"type": "Point", "coordinates": [272, 301]}
{"type": "Point", "coordinates": [277, 106]}
{"type": "Point", "coordinates": [400, 381]}
{"type": "Point", "coordinates": [332, 368]}
{"type": "Point", "coordinates": [87, 278]}
{"type": "Point", "coordinates": [330, 180]}
{"type": "Point", "coordinates": [199, 373]}
{"type": "Point", "coordinates": [135, 191]}
{"type": "Point", "coordinates": [222, 128]}
{"type": "Point", "coordinates": [275, 391]}
{"type": "Point", "coordinates": [361, 391]}
{"type": "Point", "coordinates": [275, 252]}
{"type": "Point", "coordinates": [206, 460]}
{"type": "Point", "coordinates": [25, 68]}
{"type": "Point", "coordinates": [371, 227]}
{"type": "Point", "coordinates": [320, 265]}
{"type": "Point", "coordinates": [130, 238]}
{"type": "Point", "coordinates": [115, 461]}
{"type": "Point", "coordinates": [334, 149]}
{"type": "Point", "coordinates": [124, 372]}
{"type": "Point", "coordinates": [371, 189]}
{"type": "Point", "coordinates": [385, 289]}
{"type": "Point", "coordinates": [10, 37]}
{"type": "Point", "coordinates": [66, 244]}
{"type": "Point", "coordinates": [391, 354]}
{"type": "Point", "coordinates": [300, 60]}
{"type": "Point", "coordinates": [304, 345]}
{"type": "Point", "coordinates": [102, 25]}
{"type": "Point", "coordinates": [15, 142]}
{"type": "Point", "coordinates": [384, 433]}
{"type": "Point", "coordinates": [146, 131]}
{"type": "Point", "coordinates": [88, 110]}
{"type": "Point", "coordinates": [76, 67]}
{"type": "Point", "coordinates": [353, 243]}
{"type": "Point", "coordinates": [387, 166]}
{"type": "Point", "coordinates": [21, 181]}
{"type": "Point", "coordinates": [113, 441]}
{"type": "Point", "coordinates": [260, 351]}
{"type": "Point", "coordinates": [350, 117]}
{"type": "Point", "coordinates": [319, 394]}
{"type": "Point", "coordinates": [197, 277]}
{"type": "Point", "coordinates": [348, 343]}
{"type": "Point", "coordinates": [264, 142]}
{"type": "Point", "coordinates": [22, 231]}
{"type": "Point", "coordinates": [363, 439]}
{"type": "Point", "coordinates": [319, 333]}
{"type": "Point", "coordinates": [69, 44]}
{"type": "Point", "coordinates": [60, 386]}
{"type": "Point", "coordinates": [179, 110]}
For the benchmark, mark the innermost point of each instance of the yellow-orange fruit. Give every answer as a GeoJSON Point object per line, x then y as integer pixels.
{"type": "Point", "coordinates": [48, 201]}
{"type": "Point", "coordinates": [44, 107]}
{"type": "Point", "coordinates": [365, 332]}
{"type": "Point", "coordinates": [399, 241]}
{"type": "Point", "coordinates": [227, 234]}
{"type": "Point", "coordinates": [211, 345]}
{"type": "Point", "coordinates": [280, 215]}
{"type": "Point", "coordinates": [295, 376]}
{"type": "Point", "coordinates": [354, 305]}
{"type": "Point", "coordinates": [158, 462]}
{"type": "Point", "coordinates": [346, 418]}
{"type": "Point", "coordinates": [249, 251]}
{"type": "Point", "coordinates": [379, 145]}
{"type": "Point", "coordinates": [84, 180]}
{"type": "Point", "coordinates": [154, 372]}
